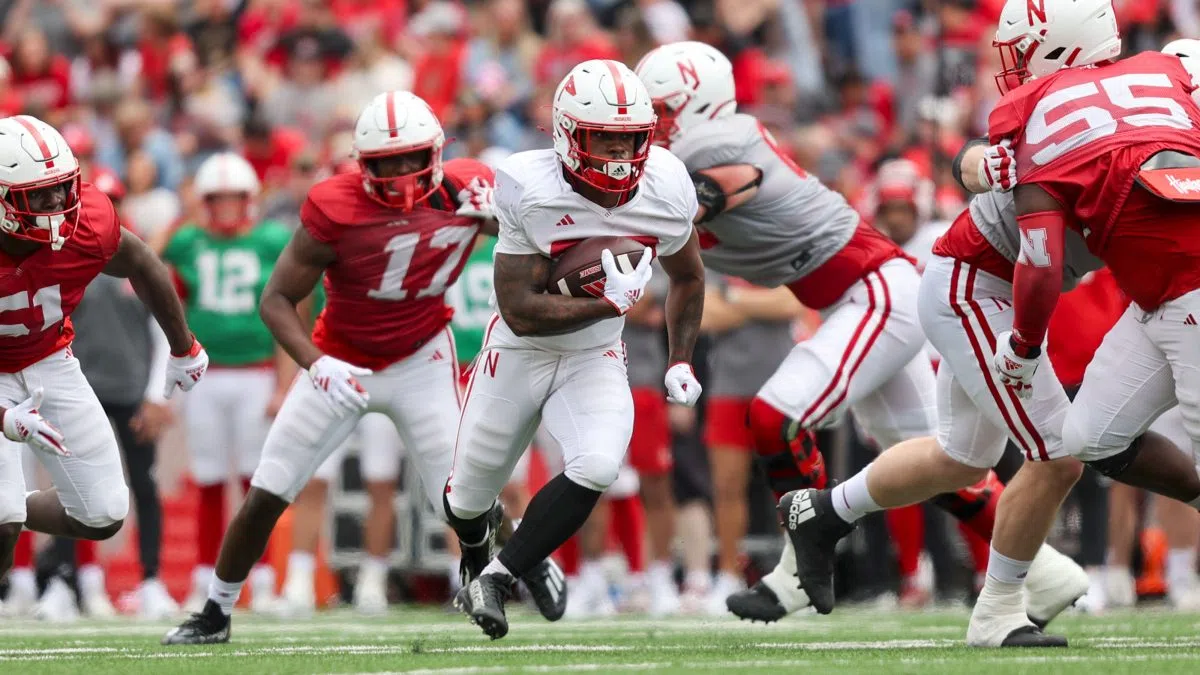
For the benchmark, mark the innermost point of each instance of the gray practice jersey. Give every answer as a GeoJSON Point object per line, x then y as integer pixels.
{"type": "Point", "coordinates": [743, 359]}
{"type": "Point", "coordinates": [788, 229]}
{"type": "Point", "coordinates": [995, 216]}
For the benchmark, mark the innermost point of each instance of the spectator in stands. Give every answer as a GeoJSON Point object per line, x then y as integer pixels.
{"type": "Point", "coordinates": [42, 78]}
{"type": "Point", "coordinates": [150, 208]}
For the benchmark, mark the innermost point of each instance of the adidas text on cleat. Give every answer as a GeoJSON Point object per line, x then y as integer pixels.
{"type": "Point", "coordinates": [814, 529]}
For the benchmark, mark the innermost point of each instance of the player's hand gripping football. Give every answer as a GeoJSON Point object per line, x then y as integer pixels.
{"type": "Point", "coordinates": [998, 170]}
{"type": "Point", "coordinates": [24, 424]}
{"type": "Point", "coordinates": [477, 200]}
{"type": "Point", "coordinates": [682, 386]}
{"type": "Point", "coordinates": [1016, 372]}
{"type": "Point", "coordinates": [622, 290]}
{"type": "Point", "coordinates": [338, 383]}
{"type": "Point", "coordinates": [185, 370]}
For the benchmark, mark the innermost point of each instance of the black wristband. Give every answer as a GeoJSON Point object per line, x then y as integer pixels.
{"type": "Point", "coordinates": [956, 166]}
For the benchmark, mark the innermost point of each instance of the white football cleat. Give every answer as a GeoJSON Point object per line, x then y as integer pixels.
{"type": "Point", "coordinates": [22, 593]}
{"type": "Point", "coordinates": [725, 585]}
{"type": "Point", "coordinates": [999, 620]}
{"type": "Point", "coordinates": [1120, 587]}
{"type": "Point", "coordinates": [589, 597]}
{"type": "Point", "coordinates": [57, 604]}
{"type": "Point", "coordinates": [370, 591]}
{"type": "Point", "coordinates": [93, 594]}
{"type": "Point", "coordinates": [1054, 583]}
{"type": "Point", "coordinates": [154, 602]}
{"type": "Point", "coordinates": [299, 599]}
{"type": "Point", "coordinates": [1185, 596]}
{"type": "Point", "coordinates": [202, 576]}
{"type": "Point", "coordinates": [664, 595]}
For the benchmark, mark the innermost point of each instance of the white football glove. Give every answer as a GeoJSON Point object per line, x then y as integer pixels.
{"type": "Point", "coordinates": [477, 200]}
{"type": "Point", "coordinates": [998, 170]}
{"type": "Point", "coordinates": [1016, 372]}
{"type": "Point", "coordinates": [622, 290]}
{"type": "Point", "coordinates": [24, 424]}
{"type": "Point", "coordinates": [185, 371]}
{"type": "Point", "coordinates": [682, 386]}
{"type": "Point", "coordinates": [337, 381]}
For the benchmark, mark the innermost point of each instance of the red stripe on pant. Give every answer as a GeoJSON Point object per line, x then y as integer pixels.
{"type": "Point", "coordinates": [981, 358]}
{"type": "Point", "coordinates": [806, 419]}
{"type": "Point", "coordinates": [1030, 427]}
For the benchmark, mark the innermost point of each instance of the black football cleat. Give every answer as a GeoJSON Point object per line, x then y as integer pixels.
{"type": "Point", "coordinates": [757, 603]}
{"type": "Point", "coordinates": [1032, 636]}
{"type": "Point", "coordinates": [476, 556]}
{"type": "Point", "coordinates": [814, 529]}
{"type": "Point", "coordinates": [207, 627]}
{"type": "Point", "coordinates": [547, 585]}
{"type": "Point", "coordinates": [483, 601]}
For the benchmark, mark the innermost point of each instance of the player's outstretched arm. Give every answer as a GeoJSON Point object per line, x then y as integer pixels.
{"type": "Point", "coordinates": [151, 280]}
{"type": "Point", "coordinates": [520, 282]}
{"type": "Point", "coordinates": [296, 273]}
{"type": "Point", "coordinates": [725, 187]}
{"type": "Point", "coordinates": [1037, 277]}
{"type": "Point", "coordinates": [685, 299]}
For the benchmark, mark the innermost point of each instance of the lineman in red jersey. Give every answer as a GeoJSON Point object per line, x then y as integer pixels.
{"type": "Point", "coordinates": [1108, 151]}
{"type": "Point", "coordinates": [56, 235]}
{"type": "Point", "coordinates": [389, 238]}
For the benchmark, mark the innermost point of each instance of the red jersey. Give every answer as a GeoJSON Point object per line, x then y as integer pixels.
{"type": "Point", "coordinates": [1080, 322]}
{"type": "Point", "coordinates": [39, 292]}
{"type": "Point", "coordinates": [1082, 134]}
{"type": "Point", "coordinates": [385, 291]}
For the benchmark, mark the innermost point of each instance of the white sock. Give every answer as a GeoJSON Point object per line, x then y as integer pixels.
{"type": "Point", "coordinates": [1181, 567]}
{"type": "Point", "coordinates": [91, 578]}
{"type": "Point", "coordinates": [496, 567]}
{"type": "Point", "coordinates": [22, 576]}
{"type": "Point", "coordinates": [225, 593]}
{"type": "Point", "coordinates": [698, 581]}
{"type": "Point", "coordinates": [852, 500]}
{"type": "Point", "coordinates": [375, 564]}
{"type": "Point", "coordinates": [659, 570]}
{"type": "Point", "coordinates": [1006, 570]}
{"type": "Point", "coordinates": [262, 577]}
{"type": "Point", "coordinates": [301, 562]}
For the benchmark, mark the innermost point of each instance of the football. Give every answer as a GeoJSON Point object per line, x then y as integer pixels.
{"type": "Point", "coordinates": [577, 272]}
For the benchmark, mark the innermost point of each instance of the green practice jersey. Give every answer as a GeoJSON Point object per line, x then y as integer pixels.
{"type": "Point", "coordinates": [223, 279]}
{"type": "Point", "coordinates": [471, 299]}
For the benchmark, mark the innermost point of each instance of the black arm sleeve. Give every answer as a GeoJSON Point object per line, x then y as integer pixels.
{"type": "Point", "coordinates": [956, 167]}
{"type": "Point", "coordinates": [711, 195]}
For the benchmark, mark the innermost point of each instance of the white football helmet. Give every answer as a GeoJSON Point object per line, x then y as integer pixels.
{"type": "Point", "coordinates": [395, 124]}
{"type": "Point", "coordinates": [1188, 51]}
{"type": "Point", "coordinates": [688, 82]}
{"type": "Point", "coordinates": [227, 173]}
{"type": "Point", "coordinates": [34, 158]}
{"type": "Point", "coordinates": [606, 97]}
{"type": "Point", "coordinates": [1039, 37]}
{"type": "Point", "coordinates": [899, 180]}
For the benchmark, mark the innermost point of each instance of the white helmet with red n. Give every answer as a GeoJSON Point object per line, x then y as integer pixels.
{"type": "Point", "coordinates": [227, 173]}
{"type": "Point", "coordinates": [398, 123]}
{"type": "Point", "coordinates": [1039, 37]}
{"type": "Point", "coordinates": [688, 82]}
{"type": "Point", "coordinates": [35, 157]}
{"type": "Point", "coordinates": [602, 96]}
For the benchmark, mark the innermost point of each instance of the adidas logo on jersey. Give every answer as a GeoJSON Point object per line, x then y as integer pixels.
{"type": "Point", "coordinates": [437, 356]}
{"type": "Point", "coordinates": [800, 510]}
{"type": "Point", "coordinates": [1190, 320]}
{"type": "Point", "coordinates": [565, 220]}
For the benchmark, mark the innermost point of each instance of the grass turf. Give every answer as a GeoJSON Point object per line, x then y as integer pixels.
{"type": "Point", "coordinates": [431, 641]}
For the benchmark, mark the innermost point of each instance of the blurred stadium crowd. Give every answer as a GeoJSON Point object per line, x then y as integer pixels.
{"type": "Point", "coordinates": [873, 96]}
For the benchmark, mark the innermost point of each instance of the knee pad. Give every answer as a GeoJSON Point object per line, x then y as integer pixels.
{"type": "Point", "coordinates": [593, 470]}
{"type": "Point", "coordinates": [110, 508]}
{"type": "Point", "coordinates": [1115, 465]}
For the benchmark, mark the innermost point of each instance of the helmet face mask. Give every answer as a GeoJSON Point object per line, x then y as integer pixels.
{"type": "Point", "coordinates": [228, 186]}
{"type": "Point", "coordinates": [401, 178]}
{"type": "Point", "coordinates": [603, 163]}
{"type": "Point", "coordinates": [1014, 63]}
{"type": "Point", "coordinates": [1035, 39]}
{"type": "Point", "coordinates": [45, 212]}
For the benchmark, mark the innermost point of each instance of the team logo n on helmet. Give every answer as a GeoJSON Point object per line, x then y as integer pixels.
{"type": "Point", "coordinates": [394, 124]}
{"type": "Point", "coordinates": [1038, 37]}
{"type": "Point", "coordinates": [602, 96]}
{"type": "Point", "coordinates": [35, 157]}
{"type": "Point", "coordinates": [227, 173]}
{"type": "Point", "coordinates": [688, 82]}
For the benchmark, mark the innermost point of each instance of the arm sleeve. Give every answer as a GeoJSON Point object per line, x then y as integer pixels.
{"type": "Point", "coordinates": [313, 219]}
{"type": "Point", "coordinates": [956, 167]}
{"type": "Point", "coordinates": [1037, 277]}
{"type": "Point", "coordinates": [160, 351]}
{"type": "Point", "coordinates": [513, 240]}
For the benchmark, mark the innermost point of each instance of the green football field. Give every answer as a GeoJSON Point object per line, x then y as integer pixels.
{"type": "Point", "coordinates": [431, 641]}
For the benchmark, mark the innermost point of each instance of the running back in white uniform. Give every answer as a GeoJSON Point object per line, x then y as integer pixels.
{"type": "Point", "coordinates": [575, 384]}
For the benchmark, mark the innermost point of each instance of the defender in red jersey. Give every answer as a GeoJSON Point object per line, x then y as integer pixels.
{"type": "Point", "coordinates": [56, 235]}
{"type": "Point", "coordinates": [388, 238]}
{"type": "Point", "coordinates": [1109, 151]}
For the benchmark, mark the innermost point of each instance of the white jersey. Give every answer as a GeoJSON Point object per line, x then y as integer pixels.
{"type": "Point", "coordinates": [539, 213]}
{"type": "Point", "coordinates": [920, 247]}
{"type": "Point", "coordinates": [789, 228]}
